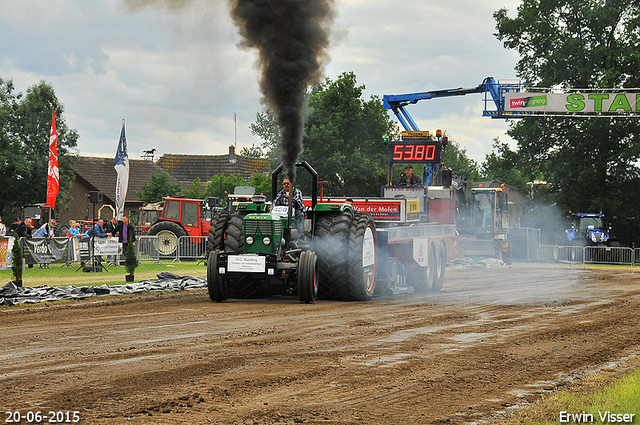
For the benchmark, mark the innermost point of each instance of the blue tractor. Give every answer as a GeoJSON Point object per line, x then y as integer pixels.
{"type": "Point", "coordinates": [590, 229]}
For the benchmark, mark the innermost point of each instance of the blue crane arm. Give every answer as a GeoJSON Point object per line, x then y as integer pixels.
{"type": "Point", "coordinates": [397, 102]}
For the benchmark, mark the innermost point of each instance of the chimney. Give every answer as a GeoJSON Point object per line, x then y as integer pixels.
{"type": "Point", "coordinates": [232, 154]}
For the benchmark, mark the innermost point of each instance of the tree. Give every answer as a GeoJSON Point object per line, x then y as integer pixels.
{"type": "Point", "coordinates": [252, 152]}
{"type": "Point", "coordinates": [262, 184]}
{"type": "Point", "coordinates": [266, 128]}
{"type": "Point", "coordinates": [25, 126]}
{"type": "Point", "coordinates": [16, 261]}
{"type": "Point", "coordinates": [220, 185]}
{"type": "Point", "coordinates": [344, 135]}
{"type": "Point", "coordinates": [578, 44]}
{"type": "Point", "coordinates": [457, 160]}
{"type": "Point", "coordinates": [158, 187]}
{"type": "Point", "coordinates": [130, 260]}
{"type": "Point", "coordinates": [196, 191]}
{"type": "Point", "coordinates": [504, 165]}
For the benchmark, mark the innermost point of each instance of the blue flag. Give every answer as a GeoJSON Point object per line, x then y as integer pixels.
{"type": "Point", "coordinates": [121, 165]}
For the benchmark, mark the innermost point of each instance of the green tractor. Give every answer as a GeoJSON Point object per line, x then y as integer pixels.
{"type": "Point", "coordinates": [256, 251]}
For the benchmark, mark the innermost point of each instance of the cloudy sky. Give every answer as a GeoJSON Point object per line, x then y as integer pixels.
{"type": "Point", "coordinates": [173, 71]}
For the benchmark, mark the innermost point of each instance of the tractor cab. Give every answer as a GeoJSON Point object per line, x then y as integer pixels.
{"type": "Point", "coordinates": [489, 212]}
{"type": "Point", "coordinates": [588, 229]}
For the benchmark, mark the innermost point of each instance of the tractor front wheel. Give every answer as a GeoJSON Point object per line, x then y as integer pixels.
{"type": "Point", "coordinates": [216, 284]}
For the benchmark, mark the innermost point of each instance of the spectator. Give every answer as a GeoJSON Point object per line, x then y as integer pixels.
{"type": "Point", "coordinates": [74, 230]}
{"type": "Point", "coordinates": [110, 226]}
{"type": "Point", "coordinates": [3, 229]}
{"type": "Point", "coordinates": [25, 228]}
{"type": "Point", "coordinates": [98, 229]}
{"type": "Point", "coordinates": [126, 233]}
{"type": "Point", "coordinates": [45, 231]}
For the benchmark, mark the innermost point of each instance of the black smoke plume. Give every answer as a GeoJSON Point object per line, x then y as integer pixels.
{"type": "Point", "coordinates": [291, 37]}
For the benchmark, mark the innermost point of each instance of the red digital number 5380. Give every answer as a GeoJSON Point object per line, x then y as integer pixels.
{"type": "Point", "coordinates": [410, 152]}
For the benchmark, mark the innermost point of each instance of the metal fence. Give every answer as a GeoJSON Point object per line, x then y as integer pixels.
{"type": "Point", "coordinates": [525, 243]}
{"type": "Point", "coordinates": [590, 254]}
{"type": "Point", "coordinates": [192, 248]}
{"type": "Point", "coordinates": [169, 248]}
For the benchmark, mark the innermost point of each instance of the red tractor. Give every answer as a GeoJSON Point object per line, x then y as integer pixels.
{"type": "Point", "coordinates": [180, 217]}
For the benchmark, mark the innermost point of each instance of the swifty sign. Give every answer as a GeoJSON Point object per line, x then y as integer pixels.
{"type": "Point", "coordinates": [588, 103]}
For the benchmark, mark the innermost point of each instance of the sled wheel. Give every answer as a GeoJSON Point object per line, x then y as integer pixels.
{"type": "Point", "coordinates": [308, 277]}
{"type": "Point", "coordinates": [441, 267]}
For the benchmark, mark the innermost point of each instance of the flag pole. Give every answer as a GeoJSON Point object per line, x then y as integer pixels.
{"type": "Point", "coordinates": [121, 165]}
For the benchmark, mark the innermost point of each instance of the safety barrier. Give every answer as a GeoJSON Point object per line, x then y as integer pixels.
{"type": "Point", "coordinates": [608, 255]}
{"type": "Point", "coordinates": [192, 248]}
{"type": "Point", "coordinates": [169, 248]}
{"type": "Point", "coordinates": [147, 249]}
{"type": "Point", "coordinates": [589, 254]}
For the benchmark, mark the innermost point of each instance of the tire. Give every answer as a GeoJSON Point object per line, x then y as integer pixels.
{"type": "Point", "coordinates": [308, 277]}
{"type": "Point", "coordinates": [215, 240]}
{"type": "Point", "coordinates": [234, 234]}
{"type": "Point", "coordinates": [60, 230]}
{"type": "Point", "coordinates": [216, 285]}
{"type": "Point", "coordinates": [242, 286]}
{"type": "Point", "coordinates": [331, 245]}
{"type": "Point", "coordinates": [246, 287]}
{"type": "Point", "coordinates": [168, 234]}
{"type": "Point", "coordinates": [363, 242]}
{"type": "Point", "coordinates": [432, 269]}
{"type": "Point", "coordinates": [418, 277]}
{"type": "Point", "coordinates": [441, 267]}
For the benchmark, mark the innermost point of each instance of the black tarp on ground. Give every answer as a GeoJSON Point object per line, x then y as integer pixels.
{"type": "Point", "coordinates": [10, 294]}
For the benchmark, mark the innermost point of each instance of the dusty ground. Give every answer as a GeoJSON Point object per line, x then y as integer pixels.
{"type": "Point", "coordinates": [490, 340]}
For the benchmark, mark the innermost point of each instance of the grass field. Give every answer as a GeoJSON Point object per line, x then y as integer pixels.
{"type": "Point", "coordinates": [57, 276]}
{"type": "Point", "coordinates": [593, 399]}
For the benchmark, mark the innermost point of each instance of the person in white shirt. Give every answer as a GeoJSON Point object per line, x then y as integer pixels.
{"type": "Point", "coordinates": [3, 229]}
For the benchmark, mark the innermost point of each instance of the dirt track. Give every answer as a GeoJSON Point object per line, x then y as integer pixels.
{"type": "Point", "coordinates": [489, 340]}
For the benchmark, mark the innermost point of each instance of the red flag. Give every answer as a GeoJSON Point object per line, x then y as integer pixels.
{"type": "Point", "coordinates": [53, 179]}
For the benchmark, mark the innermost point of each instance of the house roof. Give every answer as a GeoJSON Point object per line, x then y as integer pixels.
{"type": "Point", "coordinates": [98, 174]}
{"type": "Point", "coordinates": [187, 168]}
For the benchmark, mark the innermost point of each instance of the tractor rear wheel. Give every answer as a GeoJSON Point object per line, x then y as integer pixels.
{"type": "Point", "coordinates": [332, 247]}
{"type": "Point", "coordinates": [418, 277]}
{"type": "Point", "coordinates": [234, 234]}
{"type": "Point", "coordinates": [168, 234]}
{"type": "Point", "coordinates": [216, 284]}
{"type": "Point", "coordinates": [215, 240]}
{"type": "Point", "coordinates": [308, 277]}
{"type": "Point", "coordinates": [362, 258]}
{"type": "Point", "coordinates": [60, 229]}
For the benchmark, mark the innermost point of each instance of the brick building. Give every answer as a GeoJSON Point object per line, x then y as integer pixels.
{"type": "Point", "coordinates": [98, 174]}
{"type": "Point", "coordinates": [187, 168]}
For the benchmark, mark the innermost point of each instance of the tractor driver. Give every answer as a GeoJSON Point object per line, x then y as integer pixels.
{"type": "Point", "coordinates": [408, 178]}
{"type": "Point", "coordinates": [298, 203]}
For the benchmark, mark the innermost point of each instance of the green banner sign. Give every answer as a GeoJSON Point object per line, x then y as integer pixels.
{"type": "Point", "coordinates": [568, 103]}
